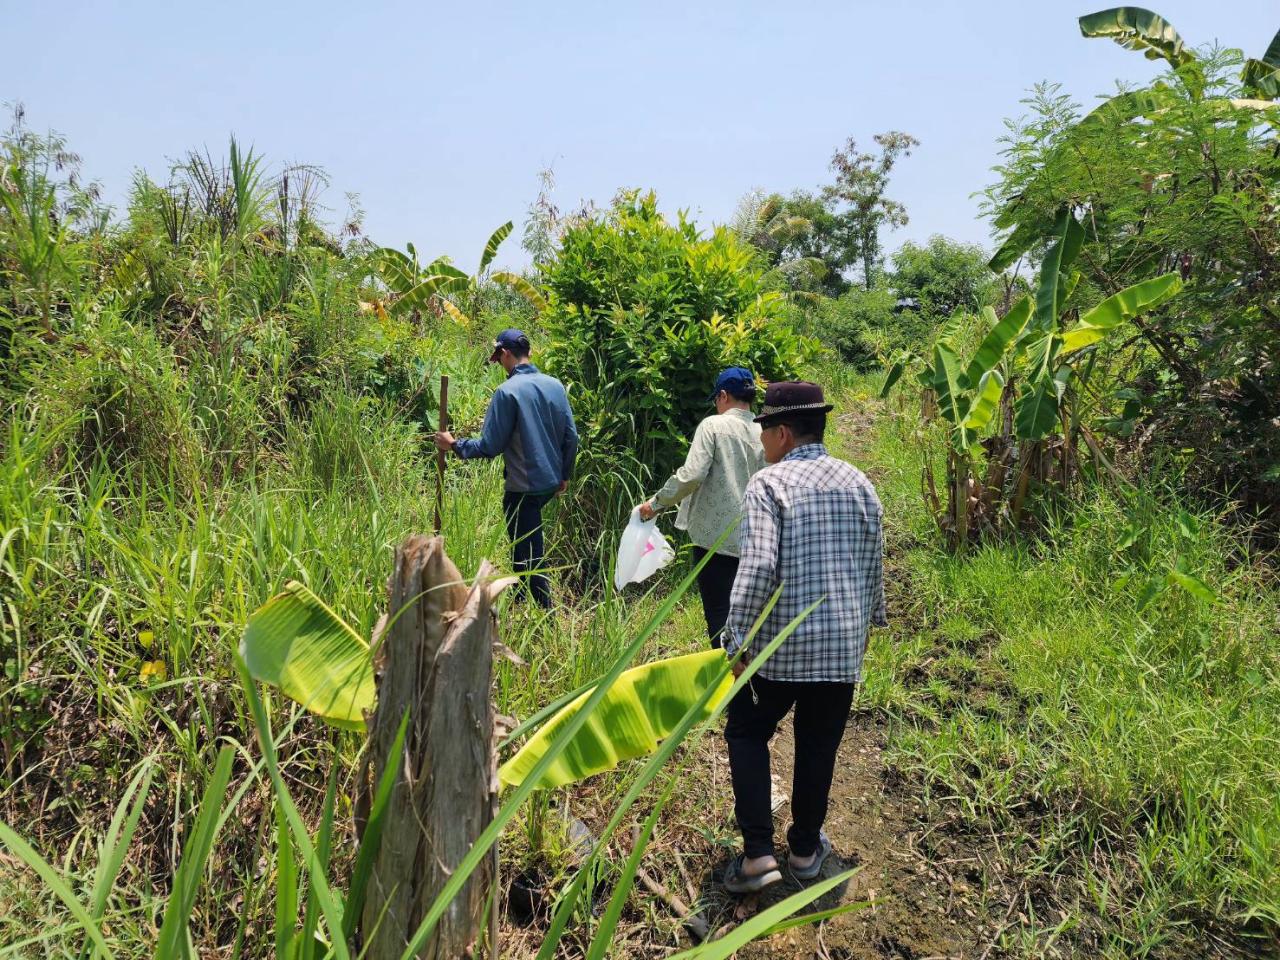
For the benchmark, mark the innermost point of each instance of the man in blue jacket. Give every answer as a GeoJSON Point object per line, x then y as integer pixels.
{"type": "Point", "coordinates": [529, 422]}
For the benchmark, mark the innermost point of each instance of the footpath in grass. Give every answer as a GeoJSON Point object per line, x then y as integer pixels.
{"type": "Point", "coordinates": [1040, 764]}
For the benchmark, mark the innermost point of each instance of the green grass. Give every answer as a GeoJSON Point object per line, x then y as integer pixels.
{"type": "Point", "coordinates": [108, 566]}
{"type": "Point", "coordinates": [1125, 748]}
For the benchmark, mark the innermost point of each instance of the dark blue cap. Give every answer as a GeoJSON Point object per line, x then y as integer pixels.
{"type": "Point", "coordinates": [735, 381]}
{"type": "Point", "coordinates": [510, 339]}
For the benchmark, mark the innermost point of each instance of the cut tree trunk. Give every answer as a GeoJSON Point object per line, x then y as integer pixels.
{"type": "Point", "coordinates": [436, 662]}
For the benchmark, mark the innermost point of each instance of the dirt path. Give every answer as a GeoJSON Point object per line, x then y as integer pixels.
{"type": "Point", "coordinates": [924, 882]}
{"type": "Point", "coordinates": [931, 886]}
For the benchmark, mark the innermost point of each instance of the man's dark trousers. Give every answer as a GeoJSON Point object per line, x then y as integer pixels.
{"type": "Point", "coordinates": [822, 711]}
{"type": "Point", "coordinates": [715, 583]}
{"type": "Point", "coordinates": [523, 512]}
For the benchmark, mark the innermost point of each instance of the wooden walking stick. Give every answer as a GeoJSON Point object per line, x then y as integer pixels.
{"type": "Point", "coordinates": [440, 454]}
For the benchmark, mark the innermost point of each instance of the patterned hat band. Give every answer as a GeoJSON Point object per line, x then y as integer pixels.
{"type": "Point", "coordinates": [768, 411]}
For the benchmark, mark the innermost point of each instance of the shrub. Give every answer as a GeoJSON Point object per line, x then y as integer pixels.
{"type": "Point", "coordinates": [858, 325]}
{"type": "Point", "coordinates": [641, 315]}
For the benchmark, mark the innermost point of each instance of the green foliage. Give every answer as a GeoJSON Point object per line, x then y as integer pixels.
{"type": "Point", "coordinates": [1035, 364]}
{"type": "Point", "coordinates": [860, 198]}
{"type": "Point", "coordinates": [815, 239]}
{"type": "Point", "coordinates": [1174, 177]}
{"type": "Point", "coordinates": [862, 325]}
{"type": "Point", "coordinates": [942, 277]}
{"type": "Point", "coordinates": [641, 315]}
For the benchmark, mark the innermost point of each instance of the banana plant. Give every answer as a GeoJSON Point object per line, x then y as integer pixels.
{"type": "Point", "coordinates": [965, 396]}
{"type": "Point", "coordinates": [454, 292]}
{"type": "Point", "coordinates": [1024, 365]}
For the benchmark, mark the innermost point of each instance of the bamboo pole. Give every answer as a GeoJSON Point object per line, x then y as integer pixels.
{"type": "Point", "coordinates": [441, 456]}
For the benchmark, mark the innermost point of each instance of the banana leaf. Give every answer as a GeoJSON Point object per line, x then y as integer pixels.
{"type": "Point", "coordinates": [295, 642]}
{"type": "Point", "coordinates": [901, 360]}
{"type": "Point", "coordinates": [491, 248]}
{"type": "Point", "coordinates": [1026, 234]}
{"type": "Point", "coordinates": [1036, 412]}
{"type": "Point", "coordinates": [996, 342]}
{"type": "Point", "coordinates": [952, 401]}
{"type": "Point", "coordinates": [639, 711]}
{"type": "Point", "coordinates": [985, 401]}
{"type": "Point", "coordinates": [458, 317]}
{"type": "Point", "coordinates": [1120, 307]}
{"type": "Point", "coordinates": [1135, 28]}
{"type": "Point", "coordinates": [1051, 293]}
{"type": "Point", "coordinates": [521, 286]}
{"type": "Point", "coordinates": [446, 279]}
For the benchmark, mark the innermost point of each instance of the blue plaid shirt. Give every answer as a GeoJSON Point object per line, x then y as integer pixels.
{"type": "Point", "coordinates": [813, 526]}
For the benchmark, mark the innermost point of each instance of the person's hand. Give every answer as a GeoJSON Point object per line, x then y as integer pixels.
{"type": "Point", "coordinates": [647, 512]}
{"type": "Point", "coordinates": [738, 668]}
{"type": "Point", "coordinates": [444, 441]}
{"type": "Point", "coordinates": [564, 485]}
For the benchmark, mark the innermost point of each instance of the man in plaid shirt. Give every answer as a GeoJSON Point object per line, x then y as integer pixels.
{"type": "Point", "coordinates": [813, 527]}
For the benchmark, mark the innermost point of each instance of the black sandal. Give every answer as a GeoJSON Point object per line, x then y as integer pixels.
{"type": "Point", "coordinates": [736, 881]}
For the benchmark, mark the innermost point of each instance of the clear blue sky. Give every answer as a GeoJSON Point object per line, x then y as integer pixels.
{"type": "Point", "coordinates": [440, 115]}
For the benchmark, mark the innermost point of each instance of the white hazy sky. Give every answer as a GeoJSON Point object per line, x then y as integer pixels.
{"type": "Point", "coordinates": [440, 115]}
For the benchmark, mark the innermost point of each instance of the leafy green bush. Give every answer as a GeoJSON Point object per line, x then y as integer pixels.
{"type": "Point", "coordinates": [943, 277]}
{"type": "Point", "coordinates": [858, 325]}
{"type": "Point", "coordinates": [641, 315]}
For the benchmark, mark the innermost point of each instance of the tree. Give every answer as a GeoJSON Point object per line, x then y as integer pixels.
{"type": "Point", "coordinates": [767, 223]}
{"type": "Point", "coordinates": [942, 277]}
{"type": "Point", "coordinates": [1179, 175]}
{"type": "Point", "coordinates": [858, 197]}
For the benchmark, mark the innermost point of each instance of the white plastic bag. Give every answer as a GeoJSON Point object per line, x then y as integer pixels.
{"type": "Point", "coordinates": [641, 551]}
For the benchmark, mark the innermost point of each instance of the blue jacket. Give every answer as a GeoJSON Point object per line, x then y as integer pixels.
{"type": "Point", "coordinates": [529, 422]}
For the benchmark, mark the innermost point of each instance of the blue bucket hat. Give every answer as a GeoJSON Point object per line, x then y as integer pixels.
{"type": "Point", "coordinates": [735, 381]}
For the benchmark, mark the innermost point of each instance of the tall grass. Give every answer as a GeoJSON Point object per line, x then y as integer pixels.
{"type": "Point", "coordinates": [1123, 737]}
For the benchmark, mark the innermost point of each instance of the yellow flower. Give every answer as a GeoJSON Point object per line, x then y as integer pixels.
{"type": "Point", "coordinates": [146, 638]}
{"type": "Point", "coordinates": [154, 670]}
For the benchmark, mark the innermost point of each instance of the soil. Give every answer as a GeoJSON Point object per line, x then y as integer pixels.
{"type": "Point", "coordinates": [923, 880]}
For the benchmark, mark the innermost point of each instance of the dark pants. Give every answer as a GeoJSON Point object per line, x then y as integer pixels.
{"type": "Point", "coordinates": [524, 526]}
{"type": "Point", "coordinates": [715, 583]}
{"type": "Point", "coordinates": [822, 710]}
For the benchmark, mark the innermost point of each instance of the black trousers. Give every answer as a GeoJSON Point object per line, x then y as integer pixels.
{"type": "Point", "coordinates": [822, 711]}
{"type": "Point", "coordinates": [715, 583]}
{"type": "Point", "coordinates": [523, 512]}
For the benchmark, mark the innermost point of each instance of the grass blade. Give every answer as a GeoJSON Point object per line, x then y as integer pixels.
{"type": "Point", "coordinates": [58, 886]}
{"type": "Point", "coordinates": [115, 845]}
{"type": "Point", "coordinates": [765, 920]}
{"type": "Point", "coordinates": [173, 941]}
{"type": "Point", "coordinates": [324, 846]}
{"type": "Point", "coordinates": [286, 887]}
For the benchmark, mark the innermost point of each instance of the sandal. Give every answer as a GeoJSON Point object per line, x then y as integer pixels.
{"type": "Point", "coordinates": [811, 872]}
{"type": "Point", "coordinates": [736, 881]}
